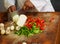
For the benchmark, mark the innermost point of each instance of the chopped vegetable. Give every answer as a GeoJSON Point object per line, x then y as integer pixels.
{"type": "Point", "coordinates": [17, 27]}
{"type": "Point", "coordinates": [31, 27]}
{"type": "Point", "coordinates": [8, 30]}
{"type": "Point", "coordinates": [23, 31]}
{"type": "Point", "coordinates": [22, 19]}
{"type": "Point", "coordinates": [39, 23]}
{"type": "Point", "coordinates": [14, 16]}
{"type": "Point", "coordinates": [27, 31]}
{"type": "Point", "coordinates": [12, 27]}
{"type": "Point", "coordinates": [2, 31]}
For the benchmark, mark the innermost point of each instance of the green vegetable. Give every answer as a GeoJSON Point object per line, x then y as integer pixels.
{"type": "Point", "coordinates": [35, 29]}
{"type": "Point", "coordinates": [23, 31]}
{"type": "Point", "coordinates": [17, 32]}
{"type": "Point", "coordinates": [28, 32]}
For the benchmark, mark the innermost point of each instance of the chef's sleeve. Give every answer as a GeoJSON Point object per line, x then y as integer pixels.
{"type": "Point", "coordinates": [39, 4]}
{"type": "Point", "coordinates": [48, 7]}
{"type": "Point", "coordinates": [43, 5]}
{"type": "Point", "coordinates": [8, 3]}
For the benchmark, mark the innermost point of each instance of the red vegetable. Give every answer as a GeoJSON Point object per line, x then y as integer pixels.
{"type": "Point", "coordinates": [31, 20]}
{"type": "Point", "coordinates": [51, 19]}
{"type": "Point", "coordinates": [42, 21]}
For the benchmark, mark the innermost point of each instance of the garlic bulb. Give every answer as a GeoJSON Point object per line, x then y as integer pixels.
{"type": "Point", "coordinates": [22, 19]}
{"type": "Point", "coordinates": [12, 27]}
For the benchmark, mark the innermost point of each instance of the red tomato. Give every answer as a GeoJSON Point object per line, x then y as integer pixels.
{"type": "Point", "coordinates": [31, 20]}
{"type": "Point", "coordinates": [29, 25]}
{"type": "Point", "coordinates": [41, 28]}
{"type": "Point", "coordinates": [42, 21]}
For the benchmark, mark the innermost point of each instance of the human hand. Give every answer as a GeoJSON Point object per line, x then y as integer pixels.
{"type": "Point", "coordinates": [28, 5]}
{"type": "Point", "coordinates": [11, 8]}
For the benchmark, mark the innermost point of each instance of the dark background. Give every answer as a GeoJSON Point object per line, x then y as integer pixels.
{"type": "Point", "coordinates": [55, 3]}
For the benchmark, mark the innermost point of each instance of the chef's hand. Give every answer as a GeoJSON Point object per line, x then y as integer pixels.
{"type": "Point", "coordinates": [11, 8]}
{"type": "Point", "coordinates": [28, 5]}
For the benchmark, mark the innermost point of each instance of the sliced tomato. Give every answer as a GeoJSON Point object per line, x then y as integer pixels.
{"type": "Point", "coordinates": [42, 21]}
{"type": "Point", "coordinates": [39, 23]}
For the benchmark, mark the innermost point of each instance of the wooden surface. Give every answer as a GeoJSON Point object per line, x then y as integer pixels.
{"type": "Point", "coordinates": [48, 37]}
{"type": "Point", "coordinates": [58, 34]}
{"type": "Point", "coordinates": [3, 16]}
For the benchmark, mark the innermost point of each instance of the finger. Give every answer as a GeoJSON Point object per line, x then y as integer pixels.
{"type": "Point", "coordinates": [24, 8]}
{"type": "Point", "coordinates": [9, 10]}
{"type": "Point", "coordinates": [13, 8]}
{"type": "Point", "coordinates": [31, 7]}
{"type": "Point", "coordinates": [27, 7]}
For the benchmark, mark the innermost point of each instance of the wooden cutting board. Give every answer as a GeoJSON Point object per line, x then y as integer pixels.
{"type": "Point", "coordinates": [3, 17]}
{"type": "Point", "coordinates": [49, 36]}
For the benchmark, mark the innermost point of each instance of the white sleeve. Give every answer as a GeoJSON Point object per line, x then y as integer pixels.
{"type": "Point", "coordinates": [8, 3]}
{"type": "Point", "coordinates": [39, 4]}
{"type": "Point", "coordinates": [48, 7]}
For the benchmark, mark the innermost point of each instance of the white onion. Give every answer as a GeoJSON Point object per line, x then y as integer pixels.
{"type": "Point", "coordinates": [15, 18]}
{"type": "Point", "coordinates": [22, 19]}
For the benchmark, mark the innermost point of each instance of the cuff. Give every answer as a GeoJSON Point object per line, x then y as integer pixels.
{"type": "Point", "coordinates": [9, 3]}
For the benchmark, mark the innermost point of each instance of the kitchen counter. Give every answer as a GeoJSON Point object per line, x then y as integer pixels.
{"type": "Point", "coordinates": [50, 37]}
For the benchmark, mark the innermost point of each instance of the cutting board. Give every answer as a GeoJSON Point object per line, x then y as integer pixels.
{"type": "Point", "coordinates": [49, 36]}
